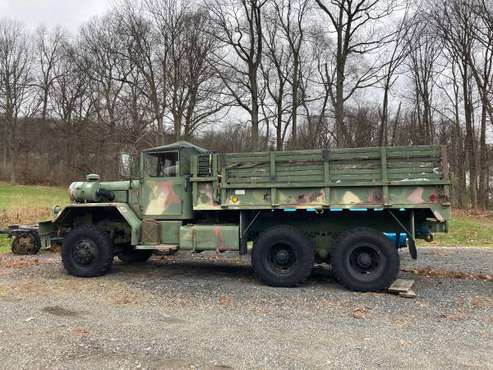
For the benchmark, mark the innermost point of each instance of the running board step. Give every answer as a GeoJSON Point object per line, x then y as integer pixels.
{"type": "Point", "coordinates": [159, 247]}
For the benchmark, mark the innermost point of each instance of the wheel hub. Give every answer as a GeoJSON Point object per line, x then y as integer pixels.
{"type": "Point", "coordinates": [364, 260]}
{"type": "Point", "coordinates": [282, 257]}
{"type": "Point", "coordinates": [84, 252]}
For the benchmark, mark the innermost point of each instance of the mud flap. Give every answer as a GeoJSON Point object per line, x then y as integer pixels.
{"type": "Point", "coordinates": [411, 244]}
{"type": "Point", "coordinates": [412, 248]}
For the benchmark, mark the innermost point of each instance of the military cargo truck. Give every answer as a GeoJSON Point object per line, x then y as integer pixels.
{"type": "Point", "coordinates": [351, 208]}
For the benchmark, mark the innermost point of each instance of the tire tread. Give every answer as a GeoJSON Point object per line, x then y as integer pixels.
{"type": "Point", "coordinates": [105, 246]}
{"type": "Point", "coordinates": [337, 259]}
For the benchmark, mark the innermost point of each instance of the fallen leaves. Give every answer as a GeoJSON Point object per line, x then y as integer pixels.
{"type": "Point", "coordinates": [482, 302]}
{"type": "Point", "coordinates": [225, 300]}
{"type": "Point", "coordinates": [441, 273]}
{"type": "Point", "coordinates": [361, 312]}
{"type": "Point", "coordinates": [80, 332]}
{"type": "Point", "coordinates": [126, 298]}
{"type": "Point", "coordinates": [27, 214]}
{"type": "Point", "coordinates": [10, 262]}
{"type": "Point", "coordinates": [457, 316]}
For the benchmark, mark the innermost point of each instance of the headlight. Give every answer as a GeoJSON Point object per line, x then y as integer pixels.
{"type": "Point", "coordinates": [56, 210]}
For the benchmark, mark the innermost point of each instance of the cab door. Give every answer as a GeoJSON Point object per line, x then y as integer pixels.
{"type": "Point", "coordinates": [164, 189]}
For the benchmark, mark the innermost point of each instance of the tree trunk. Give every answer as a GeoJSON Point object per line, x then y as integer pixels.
{"type": "Point", "coordinates": [295, 93]}
{"type": "Point", "coordinates": [469, 140]}
{"type": "Point", "coordinates": [254, 110]}
{"type": "Point", "coordinates": [339, 110]}
{"type": "Point", "coordinates": [382, 140]}
{"type": "Point", "coordinates": [13, 153]}
{"type": "Point", "coordinates": [483, 175]}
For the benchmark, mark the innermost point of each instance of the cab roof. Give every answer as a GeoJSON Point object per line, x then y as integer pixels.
{"type": "Point", "coordinates": [176, 146]}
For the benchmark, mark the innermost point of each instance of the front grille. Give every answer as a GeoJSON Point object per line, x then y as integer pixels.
{"type": "Point", "coordinates": [205, 165]}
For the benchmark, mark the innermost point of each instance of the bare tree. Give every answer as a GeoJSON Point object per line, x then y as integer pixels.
{"type": "Point", "coordinates": [96, 55]}
{"type": "Point", "coordinates": [195, 88]}
{"type": "Point", "coordinates": [424, 49]}
{"type": "Point", "coordinates": [15, 85]}
{"type": "Point", "coordinates": [454, 22]}
{"type": "Point", "coordinates": [482, 64]}
{"type": "Point", "coordinates": [291, 15]}
{"type": "Point", "coordinates": [276, 71]}
{"type": "Point", "coordinates": [147, 50]}
{"type": "Point", "coordinates": [48, 55]}
{"type": "Point", "coordinates": [357, 33]}
{"type": "Point", "coordinates": [238, 27]}
{"type": "Point", "coordinates": [397, 53]}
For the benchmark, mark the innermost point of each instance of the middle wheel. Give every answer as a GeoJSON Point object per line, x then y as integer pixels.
{"type": "Point", "coordinates": [283, 256]}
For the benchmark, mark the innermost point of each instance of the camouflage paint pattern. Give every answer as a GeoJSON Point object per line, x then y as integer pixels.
{"type": "Point", "coordinates": [397, 177]}
{"type": "Point", "coordinates": [161, 197]}
{"type": "Point", "coordinates": [220, 238]}
{"type": "Point", "coordinates": [166, 198]}
{"type": "Point", "coordinates": [170, 232]}
{"type": "Point", "coordinates": [205, 197]}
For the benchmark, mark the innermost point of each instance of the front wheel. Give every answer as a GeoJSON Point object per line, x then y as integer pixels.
{"type": "Point", "coordinates": [364, 260]}
{"type": "Point", "coordinates": [87, 252]}
{"type": "Point", "coordinates": [283, 256]}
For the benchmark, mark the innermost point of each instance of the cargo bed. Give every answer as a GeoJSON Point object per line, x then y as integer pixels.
{"type": "Point", "coordinates": [386, 177]}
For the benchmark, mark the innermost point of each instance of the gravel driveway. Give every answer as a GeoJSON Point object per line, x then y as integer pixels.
{"type": "Point", "coordinates": [208, 312]}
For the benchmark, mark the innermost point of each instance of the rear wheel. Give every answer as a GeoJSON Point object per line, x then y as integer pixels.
{"type": "Point", "coordinates": [87, 251]}
{"type": "Point", "coordinates": [364, 259]}
{"type": "Point", "coordinates": [134, 255]}
{"type": "Point", "coordinates": [283, 257]}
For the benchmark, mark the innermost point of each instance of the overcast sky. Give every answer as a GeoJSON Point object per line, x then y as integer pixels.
{"type": "Point", "coordinates": [69, 14]}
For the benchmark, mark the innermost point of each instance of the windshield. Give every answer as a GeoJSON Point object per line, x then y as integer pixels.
{"type": "Point", "coordinates": [162, 164]}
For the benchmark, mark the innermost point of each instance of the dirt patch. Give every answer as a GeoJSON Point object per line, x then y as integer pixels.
{"type": "Point", "coordinates": [440, 273]}
{"type": "Point", "coordinates": [23, 215]}
{"type": "Point", "coordinates": [482, 302]}
{"type": "Point", "coordinates": [15, 262]}
{"type": "Point", "coordinates": [60, 311]}
{"type": "Point", "coordinates": [27, 287]}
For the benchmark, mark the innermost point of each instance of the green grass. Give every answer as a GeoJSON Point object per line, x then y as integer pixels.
{"type": "Point", "coordinates": [467, 231]}
{"type": "Point", "coordinates": [22, 196]}
{"type": "Point", "coordinates": [4, 244]}
{"type": "Point", "coordinates": [27, 204]}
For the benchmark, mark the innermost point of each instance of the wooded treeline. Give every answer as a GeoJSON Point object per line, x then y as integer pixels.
{"type": "Point", "coordinates": [237, 75]}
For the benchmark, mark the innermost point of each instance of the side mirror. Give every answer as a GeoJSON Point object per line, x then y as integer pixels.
{"type": "Point", "coordinates": [125, 165]}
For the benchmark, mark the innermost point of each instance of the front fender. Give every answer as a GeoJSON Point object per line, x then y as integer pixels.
{"type": "Point", "coordinates": [67, 213]}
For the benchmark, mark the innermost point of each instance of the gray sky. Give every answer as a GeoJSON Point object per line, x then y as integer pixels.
{"type": "Point", "coordinates": [69, 14]}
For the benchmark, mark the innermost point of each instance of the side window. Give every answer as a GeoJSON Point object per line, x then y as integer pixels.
{"type": "Point", "coordinates": [162, 164]}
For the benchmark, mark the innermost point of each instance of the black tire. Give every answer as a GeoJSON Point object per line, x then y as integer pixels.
{"type": "Point", "coordinates": [26, 244]}
{"type": "Point", "coordinates": [134, 255]}
{"type": "Point", "coordinates": [364, 260]}
{"type": "Point", "coordinates": [87, 252]}
{"type": "Point", "coordinates": [283, 257]}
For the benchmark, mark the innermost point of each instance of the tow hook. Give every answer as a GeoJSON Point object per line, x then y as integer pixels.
{"type": "Point", "coordinates": [429, 237]}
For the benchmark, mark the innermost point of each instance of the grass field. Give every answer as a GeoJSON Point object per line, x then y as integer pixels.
{"type": "Point", "coordinates": [467, 230]}
{"type": "Point", "coordinates": [29, 204]}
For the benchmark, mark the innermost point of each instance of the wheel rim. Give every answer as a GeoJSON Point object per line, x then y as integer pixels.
{"type": "Point", "coordinates": [24, 244]}
{"type": "Point", "coordinates": [365, 262]}
{"type": "Point", "coordinates": [282, 258]}
{"type": "Point", "coordinates": [84, 252]}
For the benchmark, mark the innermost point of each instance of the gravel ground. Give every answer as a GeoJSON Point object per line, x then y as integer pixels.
{"type": "Point", "coordinates": [209, 312]}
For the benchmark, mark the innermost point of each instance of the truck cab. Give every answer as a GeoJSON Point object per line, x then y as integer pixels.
{"type": "Point", "coordinates": [165, 190]}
